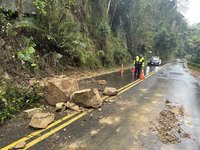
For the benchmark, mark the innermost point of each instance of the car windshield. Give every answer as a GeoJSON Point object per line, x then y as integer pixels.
{"type": "Point", "coordinates": [155, 58]}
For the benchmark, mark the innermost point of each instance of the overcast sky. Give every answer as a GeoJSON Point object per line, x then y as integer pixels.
{"type": "Point", "coordinates": [193, 12]}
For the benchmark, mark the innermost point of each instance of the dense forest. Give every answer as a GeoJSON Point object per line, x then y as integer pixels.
{"type": "Point", "coordinates": [62, 35]}
{"type": "Point", "coordinates": [77, 32]}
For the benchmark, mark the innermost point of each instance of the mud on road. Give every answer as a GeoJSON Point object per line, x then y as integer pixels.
{"type": "Point", "coordinates": [170, 127]}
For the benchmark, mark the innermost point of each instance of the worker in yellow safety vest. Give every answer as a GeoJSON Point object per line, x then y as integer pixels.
{"type": "Point", "coordinates": [138, 63]}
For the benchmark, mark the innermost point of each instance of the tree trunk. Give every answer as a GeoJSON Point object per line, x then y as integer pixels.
{"type": "Point", "coordinates": [109, 6]}
{"type": "Point", "coordinates": [20, 8]}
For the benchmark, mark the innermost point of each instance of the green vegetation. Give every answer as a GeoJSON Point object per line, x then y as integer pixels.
{"type": "Point", "coordinates": [27, 54]}
{"type": "Point", "coordinates": [192, 44]}
{"type": "Point", "coordinates": [105, 33]}
{"type": "Point", "coordinates": [15, 98]}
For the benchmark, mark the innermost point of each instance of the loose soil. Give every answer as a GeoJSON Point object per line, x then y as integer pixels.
{"type": "Point", "coordinates": [169, 127]}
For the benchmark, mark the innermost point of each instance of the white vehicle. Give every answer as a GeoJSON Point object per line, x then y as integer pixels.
{"type": "Point", "coordinates": [154, 61]}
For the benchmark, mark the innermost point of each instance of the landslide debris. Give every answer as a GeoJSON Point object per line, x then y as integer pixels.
{"type": "Point", "coordinates": [169, 125]}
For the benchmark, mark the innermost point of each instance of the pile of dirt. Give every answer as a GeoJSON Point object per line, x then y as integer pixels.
{"type": "Point", "coordinates": [168, 127]}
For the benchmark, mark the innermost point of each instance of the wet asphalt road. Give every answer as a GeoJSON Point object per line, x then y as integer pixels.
{"type": "Point", "coordinates": [124, 125]}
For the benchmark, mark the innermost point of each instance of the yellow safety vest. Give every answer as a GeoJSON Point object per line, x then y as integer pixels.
{"type": "Point", "coordinates": [139, 60]}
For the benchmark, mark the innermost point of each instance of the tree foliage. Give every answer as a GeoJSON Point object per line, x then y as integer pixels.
{"type": "Point", "coordinates": [106, 32]}
{"type": "Point", "coordinates": [192, 44]}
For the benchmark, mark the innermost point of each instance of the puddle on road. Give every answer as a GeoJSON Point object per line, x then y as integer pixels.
{"type": "Point", "coordinates": [113, 79]}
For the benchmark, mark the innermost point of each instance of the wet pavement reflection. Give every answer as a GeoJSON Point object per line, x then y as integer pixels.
{"type": "Point", "coordinates": [115, 79]}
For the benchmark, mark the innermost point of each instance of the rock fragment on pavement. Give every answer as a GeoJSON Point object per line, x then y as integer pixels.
{"type": "Point", "coordinates": [110, 91]}
{"type": "Point", "coordinates": [20, 145]}
{"type": "Point", "coordinates": [60, 106]}
{"type": "Point", "coordinates": [63, 106]}
{"type": "Point", "coordinates": [41, 120]}
{"type": "Point", "coordinates": [101, 82]}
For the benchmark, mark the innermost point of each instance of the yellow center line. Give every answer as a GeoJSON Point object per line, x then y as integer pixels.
{"type": "Point", "coordinates": [30, 144]}
{"type": "Point", "coordinates": [138, 81]}
{"type": "Point", "coordinates": [37, 132]}
{"type": "Point", "coordinates": [128, 85]}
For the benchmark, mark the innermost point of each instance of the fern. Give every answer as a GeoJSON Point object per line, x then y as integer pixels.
{"type": "Point", "coordinates": [25, 24]}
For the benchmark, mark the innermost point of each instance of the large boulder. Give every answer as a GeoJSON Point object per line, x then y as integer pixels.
{"type": "Point", "coordinates": [87, 98]}
{"type": "Point", "coordinates": [59, 90]}
{"type": "Point", "coordinates": [110, 91]}
{"type": "Point", "coordinates": [41, 120]}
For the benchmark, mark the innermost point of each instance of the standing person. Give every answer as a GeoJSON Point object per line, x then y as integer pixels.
{"type": "Point", "coordinates": [138, 63]}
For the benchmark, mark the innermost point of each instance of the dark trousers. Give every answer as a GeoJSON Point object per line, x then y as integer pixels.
{"type": "Point", "coordinates": [137, 71]}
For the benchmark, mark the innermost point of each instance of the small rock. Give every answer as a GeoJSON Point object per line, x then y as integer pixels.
{"type": "Point", "coordinates": [179, 131]}
{"type": "Point", "coordinates": [167, 101]}
{"type": "Point", "coordinates": [60, 106]}
{"type": "Point", "coordinates": [73, 106]}
{"type": "Point", "coordinates": [20, 145]}
{"type": "Point", "coordinates": [113, 100]}
{"type": "Point", "coordinates": [185, 135]}
{"type": "Point", "coordinates": [101, 82]}
{"type": "Point", "coordinates": [30, 112]}
{"type": "Point", "coordinates": [69, 105]}
{"type": "Point", "coordinates": [99, 109]}
{"type": "Point", "coordinates": [110, 91]}
{"type": "Point", "coordinates": [41, 120]}
{"type": "Point", "coordinates": [76, 108]}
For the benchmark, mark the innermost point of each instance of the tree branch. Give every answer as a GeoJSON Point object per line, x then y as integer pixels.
{"type": "Point", "coordinates": [109, 6]}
